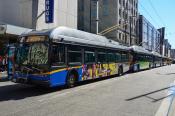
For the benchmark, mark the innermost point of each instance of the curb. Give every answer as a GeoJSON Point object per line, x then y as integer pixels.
{"type": "Point", "coordinates": [171, 111]}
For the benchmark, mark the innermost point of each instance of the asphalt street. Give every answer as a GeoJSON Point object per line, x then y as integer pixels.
{"type": "Point", "coordinates": [136, 94]}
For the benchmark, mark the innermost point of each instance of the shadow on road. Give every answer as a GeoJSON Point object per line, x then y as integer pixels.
{"type": "Point", "coordinates": [21, 91]}
{"type": "Point", "coordinates": [166, 74]}
{"type": "Point", "coordinates": [146, 95]}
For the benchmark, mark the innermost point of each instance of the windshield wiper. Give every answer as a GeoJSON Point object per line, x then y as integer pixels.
{"type": "Point", "coordinates": [37, 69]}
{"type": "Point", "coordinates": [29, 69]}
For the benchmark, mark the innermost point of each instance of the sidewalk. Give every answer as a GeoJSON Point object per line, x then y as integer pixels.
{"type": "Point", "coordinates": [3, 76]}
{"type": "Point", "coordinates": [172, 108]}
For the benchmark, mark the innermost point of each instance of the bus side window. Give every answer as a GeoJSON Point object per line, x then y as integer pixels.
{"type": "Point", "coordinates": [74, 55]}
{"type": "Point", "coordinates": [101, 57]}
{"type": "Point", "coordinates": [58, 54]}
{"type": "Point", "coordinates": [118, 57]}
{"type": "Point", "coordinates": [111, 57]}
{"type": "Point", "coordinates": [125, 57]}
{"type": "Point", "coordinates": [89, 57]}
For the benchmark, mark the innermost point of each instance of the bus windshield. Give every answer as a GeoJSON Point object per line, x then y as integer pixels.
{"type": "Point", "coordinates": [35, 53]}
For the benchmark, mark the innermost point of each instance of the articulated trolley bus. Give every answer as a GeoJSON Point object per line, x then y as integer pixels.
{"type": "Point", "coordinates": [142, 59]}
{"type": "Point", "coordinates": [64, 56]}
{"type": "Point", "coordinates": [157, 58]}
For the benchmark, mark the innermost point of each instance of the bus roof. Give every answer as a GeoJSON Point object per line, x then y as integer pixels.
{"type": "Point", "coordinates": [140, 49]}
{"type": "Point", "coordinates": [77, 36]}
{"type": "Point", "coordinates": [156, 54]}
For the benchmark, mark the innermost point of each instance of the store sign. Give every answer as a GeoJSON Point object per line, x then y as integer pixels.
{"type": "Point", "coordinates": [3, 29]}
{"type": "Point", "coordinates": [49, 11]}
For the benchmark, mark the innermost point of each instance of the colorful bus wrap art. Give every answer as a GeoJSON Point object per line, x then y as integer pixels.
{"type": "Point", "coordinates": [91, 71]}
{"type": "Point", "coordinates": [144, 64]}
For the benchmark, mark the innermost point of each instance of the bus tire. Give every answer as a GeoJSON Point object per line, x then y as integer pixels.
{"type": "Point", "coordinates": [71, 80]}
{"type": "Point", "coordinates": [138, 67]}
{"type": "Point", "coordinates": [120, 71]}
{"type": "Point", "coordinates": [149, 66]}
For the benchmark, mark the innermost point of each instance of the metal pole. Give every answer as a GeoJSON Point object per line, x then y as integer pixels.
{"type": "Point", "coordinates": [125, 18]}
{"type": "Point", "coordinates": [90, 16]}
{"type": "Point", "coordinates": [130, 19]}
{"type": "Point", "coordinates": [97, 18]}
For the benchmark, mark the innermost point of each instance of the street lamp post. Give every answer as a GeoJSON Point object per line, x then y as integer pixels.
{"type": "Point", "coordinates": [130, 33]}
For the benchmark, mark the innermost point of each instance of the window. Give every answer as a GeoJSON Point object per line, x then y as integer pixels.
{"type": "Point", "coordinates": [106, 7]}
{"type": "Point", "coordinates": [120, 36]}
{"type": "Point", "coordinates": [74, 55]}
{"type": "Point", "coordinates": [120, 12]}
{"type": "Point", "coordinates": [89, 57]}
{"type": "Point", "coordinates": [125, 57]}
{"type": "Point", "coordinates": [58, 54]}
{"type": "Point", "coordinates": [118, 57]}
{"type": "Point", "coordinates": [101, 57]}
{"type": "Point", "coordinates": [111, 57]}
{"type": "Point", "coordinates": [120, 2]}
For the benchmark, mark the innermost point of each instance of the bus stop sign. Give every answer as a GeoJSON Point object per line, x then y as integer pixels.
{"type": "Point", "coordinates": [49, 11]}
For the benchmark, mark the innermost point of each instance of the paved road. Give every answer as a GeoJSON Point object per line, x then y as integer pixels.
{"type": "Point", "coordinates": [138, 94]}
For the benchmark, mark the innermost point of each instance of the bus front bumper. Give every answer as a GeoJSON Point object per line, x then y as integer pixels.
{"type": "Point", "coordinates": [31, 79]}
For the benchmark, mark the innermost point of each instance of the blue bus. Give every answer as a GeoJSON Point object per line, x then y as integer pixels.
{"type": "Point", "coordinates": [65, 56]}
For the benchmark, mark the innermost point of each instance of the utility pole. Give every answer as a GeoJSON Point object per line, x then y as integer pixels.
{"type": "Point", "coordinates": [90, 16]}
{"type": "Point", "coordinates": [126, 15]}
{"type": "Point", "coordinates": [130, 23]}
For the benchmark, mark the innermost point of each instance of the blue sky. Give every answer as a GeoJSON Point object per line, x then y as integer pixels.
{"type": "Point", "coordinates": [161, 13]}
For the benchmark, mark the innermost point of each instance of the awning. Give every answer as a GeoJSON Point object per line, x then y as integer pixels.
{"type": "Point", "coordinates": [13, 30]}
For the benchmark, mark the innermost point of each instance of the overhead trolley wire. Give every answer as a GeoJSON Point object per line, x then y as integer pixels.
{"type": "Point", "coordinates": [156, 13]}
{"type": "Point", "coordinates": [149, 14]}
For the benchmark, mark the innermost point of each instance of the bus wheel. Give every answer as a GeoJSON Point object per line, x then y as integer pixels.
{"type": "Point", "coordinates": [120, 71]}
{"type": "Point", "coordinates": [71, 79]}
{"type": "Point", "coordinates": [149, 66]}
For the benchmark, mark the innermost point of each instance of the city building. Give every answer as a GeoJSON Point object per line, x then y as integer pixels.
{"type": "Point", "coordinates": [31, 13]}
{"type": "Point", "coordinates": [162, 38]}
{"type": "Point", "coordinates": [173, 53]}
{"type": "Point", "coordinates": [123, 13]}
{"type": "Point", "coordinates": [150, 37]}
{"type": "Point", "coordinates": [166, 48]}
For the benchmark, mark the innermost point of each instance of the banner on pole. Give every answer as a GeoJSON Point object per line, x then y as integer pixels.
{"type": "Point", "coordinates": [49, 11]}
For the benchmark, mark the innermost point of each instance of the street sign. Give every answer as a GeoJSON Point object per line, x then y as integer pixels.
{"type": "Point", "coordinates": [49, 11]}
{"type": "Point", "coordinates": [3, 29]}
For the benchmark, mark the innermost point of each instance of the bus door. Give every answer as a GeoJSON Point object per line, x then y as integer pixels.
{"type": "Point", "coordinates": [10, 68]}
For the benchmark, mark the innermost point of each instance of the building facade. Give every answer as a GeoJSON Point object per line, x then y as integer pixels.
{"type": "Point", "coordinates": [30, 13]}
{"type": "Point", "coordinates": [121, 13]}
{"type": "Point", "coordinates": [18, 12]}
{"type": "Point", "coordinates": [166, 48]}
{"type": "Point", "coordinates": [65, 14]}
{"type": "Point", "coordinates": [149, 37]}
{"type": "Point", "coordinates": [173, 53]}
{"type": "Point", "coordinates": [162, 38]}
